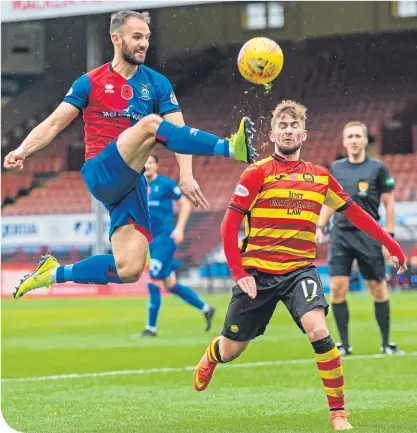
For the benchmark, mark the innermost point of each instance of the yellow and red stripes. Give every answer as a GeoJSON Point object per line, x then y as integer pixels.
{"type": "Point", "coordinates": [331, 373]}
{"type": "Point", "coordinates": [282, 213]}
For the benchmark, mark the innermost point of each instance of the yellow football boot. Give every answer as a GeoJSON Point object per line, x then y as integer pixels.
{"type": "Point", "coordinates": [240, 143]}
{"type": "Point", "coordinates": [41, 276]}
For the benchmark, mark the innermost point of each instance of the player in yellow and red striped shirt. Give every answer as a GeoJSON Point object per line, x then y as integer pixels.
{"type": "Point", "coordinates": [280, 198]}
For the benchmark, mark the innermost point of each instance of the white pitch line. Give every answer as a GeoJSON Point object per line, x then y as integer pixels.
{"type": "Point", "coordinates": [190, 368]}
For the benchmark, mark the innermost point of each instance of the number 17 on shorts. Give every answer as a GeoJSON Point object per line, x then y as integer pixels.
{"type": "Point", "coordinates": [309, 287]}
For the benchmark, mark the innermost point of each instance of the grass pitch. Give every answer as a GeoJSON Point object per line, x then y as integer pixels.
{"type": "Point", "coordinates": [106, 380]}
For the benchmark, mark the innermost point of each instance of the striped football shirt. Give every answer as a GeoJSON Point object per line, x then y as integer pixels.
{"type": "Point", "coordinates": [281, 201]}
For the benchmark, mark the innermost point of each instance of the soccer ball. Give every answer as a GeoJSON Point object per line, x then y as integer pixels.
{"type": "Point", "coordinates": [260, 60]}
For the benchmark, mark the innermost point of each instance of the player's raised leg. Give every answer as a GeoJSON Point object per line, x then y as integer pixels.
{"type": "Point", "coordinates": [329, 365]}
{"type": "Point", "coordinates": [136, 144]}
{"type": "Point", "coordinates": [194, 141]}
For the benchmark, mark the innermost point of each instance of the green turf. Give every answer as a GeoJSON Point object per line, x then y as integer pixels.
{"type": "Point", "coordinates": [53, 337]}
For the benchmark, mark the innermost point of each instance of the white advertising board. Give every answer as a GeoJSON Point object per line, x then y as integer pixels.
{"type": "Point", "coordinates": [71, 229]}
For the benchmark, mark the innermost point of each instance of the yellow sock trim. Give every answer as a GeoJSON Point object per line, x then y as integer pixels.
{"type": "Point", "coordinates": [211, 354]}
{"type": "Point", "coordinates": [328, 356]}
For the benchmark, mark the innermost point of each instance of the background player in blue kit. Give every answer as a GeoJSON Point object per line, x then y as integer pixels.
{"type": "Point", "coordinates": [162, 192]}
{"type": "Point", "coordinates": [127, 109]}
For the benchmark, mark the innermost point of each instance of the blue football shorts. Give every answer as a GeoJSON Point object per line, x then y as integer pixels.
{"type": "Point", "coordinates": [162, 250]}
{"type": "Point", "coordinates": [122, 190]}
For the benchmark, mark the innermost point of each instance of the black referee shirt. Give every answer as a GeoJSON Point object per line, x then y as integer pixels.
{"type": "Point", "coordinates": [364, 182]}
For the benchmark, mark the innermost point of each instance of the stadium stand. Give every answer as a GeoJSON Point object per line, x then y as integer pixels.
{"type": "Point", "coordinates": [327, 74]}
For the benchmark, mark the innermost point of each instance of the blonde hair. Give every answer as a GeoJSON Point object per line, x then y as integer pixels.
{"type": "Point", "coordinates": [357, 123]}
{"type": "Point", "coordinates": [118, 19]}
{"type": "Point", "coordinates": [293, 108]}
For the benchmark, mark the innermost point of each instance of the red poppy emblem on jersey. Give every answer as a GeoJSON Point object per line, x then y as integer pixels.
{"type": "Point", "coordinates": [127, 92]}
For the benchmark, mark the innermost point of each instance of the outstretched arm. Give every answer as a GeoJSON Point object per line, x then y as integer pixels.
{"type": "Point", "coordinates": [42, 135]}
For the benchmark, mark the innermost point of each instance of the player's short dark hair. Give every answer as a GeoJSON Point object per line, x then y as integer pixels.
{"type": "Point", "coordinates": [120, 18]}
{"type": "Point", "coordinates": [155, 157]}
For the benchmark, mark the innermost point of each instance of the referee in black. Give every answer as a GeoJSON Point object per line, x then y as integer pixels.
{"type": "Point", "coordinates": [368, 182]}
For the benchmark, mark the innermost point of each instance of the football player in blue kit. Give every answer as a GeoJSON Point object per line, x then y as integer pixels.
{"type": "Point", "coordinates": [127, 108]}
{"type": "Point", "coordinates": [162, 192]}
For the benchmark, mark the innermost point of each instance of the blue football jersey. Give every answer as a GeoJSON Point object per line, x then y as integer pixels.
{"type": "Point", "coordinates": [162, 191]}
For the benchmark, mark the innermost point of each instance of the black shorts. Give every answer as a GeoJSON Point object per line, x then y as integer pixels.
{"type": "Point", "coordinates": [347, 245]}
{"type": "Point", "coordinates": [301, 291]}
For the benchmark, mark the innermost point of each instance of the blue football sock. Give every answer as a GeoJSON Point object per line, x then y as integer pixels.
{"type": "Point", "coordinates": [100, 269]}
{"type": "Point", "coordinates": [154, 304]}
{"type": "Point", "coordinates": [190, 141]}
{"type": "Point", "coordinates": [187, 295]}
